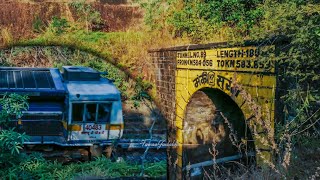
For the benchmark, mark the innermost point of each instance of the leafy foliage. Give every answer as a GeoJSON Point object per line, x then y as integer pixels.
{"type": "Point", "coordinates": [141, 88]}
{"type": "Point", "coordinates": [201, 19]}
{"type": "Point", "coordinates": [35, 167]}
{"type": "Point", "coordinates": [58, 25]}
{"type": "Point", "coordinates": [87, 15]}
{"type": "Point", "coordinates": [11, 142]}
{"type": "Point", "coordinates": [12, 105]}
{"type": "Point", "coordinates": [37, 25]}
{"type": "Point", "coordinates": [156, 13]}
{"type": "Point", "coordinates": [299, 59]}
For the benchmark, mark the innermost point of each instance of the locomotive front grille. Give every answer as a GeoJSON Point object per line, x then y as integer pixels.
{"type": "Point", "coordinates": [40, 118]}
{"type": "Point", "coordinates": [40, 127]}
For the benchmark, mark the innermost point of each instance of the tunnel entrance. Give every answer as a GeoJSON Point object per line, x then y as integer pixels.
{"type": "Point", "coordinates": [214, 129]}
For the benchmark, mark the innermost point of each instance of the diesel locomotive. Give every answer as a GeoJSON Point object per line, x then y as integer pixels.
{"type": "Point", "coordinates": [75, 107]}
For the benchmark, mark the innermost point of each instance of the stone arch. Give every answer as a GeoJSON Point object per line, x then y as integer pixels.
{"type": "Point", "coordinates": [213, 118]}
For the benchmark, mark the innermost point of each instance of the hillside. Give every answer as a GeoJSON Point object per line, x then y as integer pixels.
{"type": "Point", "coordinates": [21, 18]}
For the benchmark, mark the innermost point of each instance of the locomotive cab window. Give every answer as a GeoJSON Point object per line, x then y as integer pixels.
{"type": "Point", "coordinates": [104, 111]}
{"type": "Point", "coordinates": [77, 112]}
{"type": "Point", "coordinates": [91, 112]}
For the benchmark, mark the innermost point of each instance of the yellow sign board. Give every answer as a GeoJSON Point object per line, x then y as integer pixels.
{"type": "Point", "coordinates": [244, 59]}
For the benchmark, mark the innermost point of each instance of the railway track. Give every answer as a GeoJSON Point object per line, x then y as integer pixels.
{"type": "Point", "coordinates": [132, 145]}
{"type": "Point", "coordinates": [130, 150]}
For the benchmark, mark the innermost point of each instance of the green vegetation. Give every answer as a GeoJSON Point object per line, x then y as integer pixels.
{"type": "Point", "coordinates": [58, 25]}
{"type": "Point", "coordinates": [12, 106]}
{"type": "Point", "coordinates": [236, 21]}
{"type": "Point", "coordinates": [181, 21]}
{"type": "Point", "coordinates": [203, 20]}
{"type": "Point", "coordinates": [11, 142]}
{"type": "Point", "coordinates": [296, 20]}
{"type": "Point", "coordinates": [17, 165]}
{"type": "Point", "coordinates": [87, 15]}
{"type": "Point", "coordinates": [36, 167]}
{"type": "Point", "coordinates": [37, 25]}
{"type": "Point", "coordinates": [177, 22]}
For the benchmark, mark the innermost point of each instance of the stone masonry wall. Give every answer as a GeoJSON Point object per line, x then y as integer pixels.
{"type": "Point", "coordinates": [164, 64]}
{"type": "Point", "coordinates": [164, 79]}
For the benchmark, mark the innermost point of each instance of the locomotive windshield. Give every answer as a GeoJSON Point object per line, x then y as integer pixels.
{"type": "Point", "coordinates": [91, 112]}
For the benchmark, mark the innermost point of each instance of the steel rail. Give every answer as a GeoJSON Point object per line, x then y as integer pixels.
{"type": "Point", "coordinates": [220, 160]}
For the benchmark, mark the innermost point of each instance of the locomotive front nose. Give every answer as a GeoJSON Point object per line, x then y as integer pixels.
{"type": "Point", "coordinates": [95, 109]}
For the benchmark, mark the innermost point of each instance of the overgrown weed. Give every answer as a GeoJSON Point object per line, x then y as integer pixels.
{"type": "Point", "coordinates": [6, 37]}
{"type": "Point", "coordinates": [35, 167]}
{"type": "Point", "coordinates": [286, 149]}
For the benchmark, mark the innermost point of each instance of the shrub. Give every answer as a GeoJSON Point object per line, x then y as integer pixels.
{"type": "Point", "coordinates": [11, 142]}
{"type": "Point", "coordinates": [58, 25]}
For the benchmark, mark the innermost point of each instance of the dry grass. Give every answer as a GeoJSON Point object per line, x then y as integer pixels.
{"type": "Point", "coordinates": [55, 1]}
{"type": "Point", "coordinates": [284, 161]}
{"type": "Point", "coordinates": [263, 123]}
{"type": "Point", "coordinates": [287, 160]}
{"type": "Point", "coordinates": [6, 37]}
{"type": "Point", "coordinates": [130, 49]}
